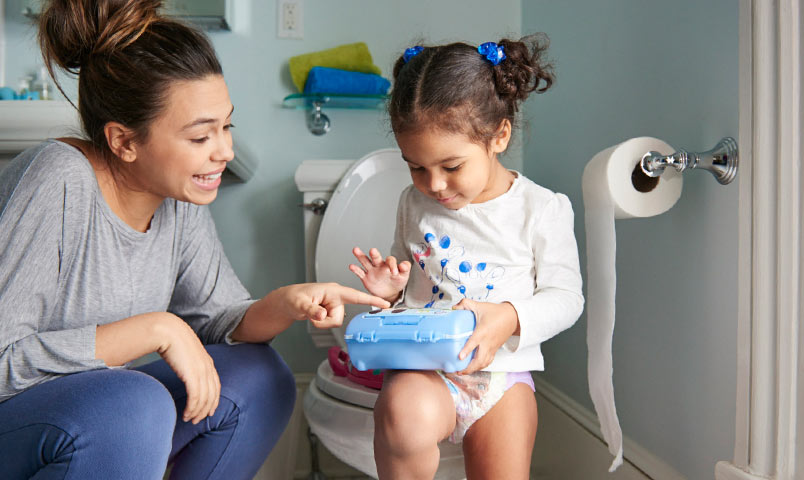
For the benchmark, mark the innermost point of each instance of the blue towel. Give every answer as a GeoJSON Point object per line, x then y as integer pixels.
{"type": "Point", "coordinates": [333, 80]}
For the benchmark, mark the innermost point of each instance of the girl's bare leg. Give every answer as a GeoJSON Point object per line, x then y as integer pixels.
{"type": "Point", "coordinates": [413, 413]}
{"type": "Point", "coordinates": [500, 443]}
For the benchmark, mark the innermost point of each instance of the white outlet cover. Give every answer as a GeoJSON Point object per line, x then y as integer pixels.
{"type": "Point", "coordinates": [290, 19]}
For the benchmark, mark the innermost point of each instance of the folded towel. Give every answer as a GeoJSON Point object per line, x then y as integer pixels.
{"type": "Point", "coordinates": [355, 57]}
{"type": "Point", "coordinates": [333, 80]}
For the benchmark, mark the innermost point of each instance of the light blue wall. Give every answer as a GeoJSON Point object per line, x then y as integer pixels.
{"type": "Point", "coordinates": [628, 68]}
{"type": "Point", "coordinates": [259, 222]}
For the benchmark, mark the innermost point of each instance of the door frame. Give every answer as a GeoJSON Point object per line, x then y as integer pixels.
{"type": "Point", "coordinates": [769, 434]}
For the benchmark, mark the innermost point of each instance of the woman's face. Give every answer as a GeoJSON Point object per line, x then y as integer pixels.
{"type": "Point", "coordinates": [189, 145]}
{"type": "Point", "coordinates": [450, 168]}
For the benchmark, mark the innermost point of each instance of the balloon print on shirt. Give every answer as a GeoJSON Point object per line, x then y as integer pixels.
{"type": "Point", "coordinates": [472, 280]}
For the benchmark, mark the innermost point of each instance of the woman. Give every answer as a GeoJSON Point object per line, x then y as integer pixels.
{"type": "Point", "coordinates": [108, 253]}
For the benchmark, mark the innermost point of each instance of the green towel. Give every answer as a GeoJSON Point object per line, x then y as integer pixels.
{"type": "Point", "coordinates": [355, 57]}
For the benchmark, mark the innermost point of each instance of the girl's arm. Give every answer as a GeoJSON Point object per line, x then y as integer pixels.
{"type": "Point", "coordinates": [558, 300]}
{"type": "Point", "coordinates": [555, 305]}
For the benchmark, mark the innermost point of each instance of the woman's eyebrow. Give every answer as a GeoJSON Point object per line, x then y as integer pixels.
{"type": "Point", "coordinates": [202, 121]}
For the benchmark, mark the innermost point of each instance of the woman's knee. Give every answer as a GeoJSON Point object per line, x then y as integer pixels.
{"type": "Point", "coordinates": [133, 409]}
{"type": "Point", "coordinates": [105, 424]}
{"type": "Point", "coordinates": [256, 379]}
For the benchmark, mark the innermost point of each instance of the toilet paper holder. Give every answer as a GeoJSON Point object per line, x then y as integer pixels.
{"type": "Point", "coordinates": [722, 161]}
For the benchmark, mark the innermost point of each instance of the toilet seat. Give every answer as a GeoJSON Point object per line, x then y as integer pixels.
{"type": "Point", "coordinates": [339, 411]}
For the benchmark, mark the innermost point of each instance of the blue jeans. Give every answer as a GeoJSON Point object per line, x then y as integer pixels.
{"type": "Point", "coordinates": [119, 424]}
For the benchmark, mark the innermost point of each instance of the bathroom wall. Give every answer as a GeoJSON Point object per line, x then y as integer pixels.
{"type": "Point", "coordinates": [628, 68]}
{"type": "Point", "coordinates": [259, 222]}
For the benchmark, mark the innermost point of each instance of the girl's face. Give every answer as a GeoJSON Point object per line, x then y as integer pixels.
{"type": "Point", "coordinates": [189, 145]}
{"type": "Point", "coordinates": [452, 169]}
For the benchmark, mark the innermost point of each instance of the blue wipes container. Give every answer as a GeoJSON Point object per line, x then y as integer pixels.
{"type": "Point", "coordinates": [410, 339]}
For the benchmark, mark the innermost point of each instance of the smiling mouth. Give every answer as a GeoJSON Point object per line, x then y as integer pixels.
{"type": "Point", "coordinates": [208, 178]}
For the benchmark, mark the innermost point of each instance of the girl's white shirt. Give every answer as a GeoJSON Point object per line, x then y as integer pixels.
{"type": "Point", "coordinates": [519, 248]}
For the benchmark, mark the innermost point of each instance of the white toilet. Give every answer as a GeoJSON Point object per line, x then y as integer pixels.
{"type": "Point", "coordinates": [361, 211]}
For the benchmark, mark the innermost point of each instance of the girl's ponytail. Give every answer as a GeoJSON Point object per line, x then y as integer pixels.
{"type": "Point", "coordinates": [460, 89]}
{"type": "Point", "coordinates": [524, 70]}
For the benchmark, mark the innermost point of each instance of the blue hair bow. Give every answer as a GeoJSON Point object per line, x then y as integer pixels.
{"type": "Point", "coordinates": [411, 52]}
{"type": "Point", "coordinates": [494, 53]}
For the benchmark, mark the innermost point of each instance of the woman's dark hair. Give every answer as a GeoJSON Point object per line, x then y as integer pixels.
{"type": "Point", "coordinates": [126, 55]}
{"type": "Point", "coordinates": [456, 89]}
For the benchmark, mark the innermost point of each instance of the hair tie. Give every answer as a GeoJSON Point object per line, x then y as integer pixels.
{"type": "Point", "coordinates": [494, 53]}
{"type": "Point", "coordinates": [411, 52]}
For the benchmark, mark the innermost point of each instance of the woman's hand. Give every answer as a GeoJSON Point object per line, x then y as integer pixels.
{"type": "Point", "coordinates": [494, 324]}
{"type": "Point", "coordinates": [323, 303]}
{"type": "Point", "coordinates": [184, 353]}
{"type": "Point", "coordinates": [383, 278]}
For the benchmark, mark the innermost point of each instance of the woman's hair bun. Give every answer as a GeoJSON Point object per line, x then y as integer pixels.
{"type": "Point", "coordinates": [70, 31]}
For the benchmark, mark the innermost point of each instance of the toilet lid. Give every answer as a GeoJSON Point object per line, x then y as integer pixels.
{"type": "Point", "coordinates": [362, 213]}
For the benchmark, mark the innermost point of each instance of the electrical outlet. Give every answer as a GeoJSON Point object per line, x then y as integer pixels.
{"type": "Point", "coordinates": [290, 19]}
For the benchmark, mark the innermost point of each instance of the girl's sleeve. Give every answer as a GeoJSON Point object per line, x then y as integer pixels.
{"type": "Point", "coordinates": [557, 301]}
{"type": "Point", "coordinates": [207, 295]}
{"type": "Point", "coordinates": [398, 249]}
{"type": "Point", "coordinates": [33, 256]}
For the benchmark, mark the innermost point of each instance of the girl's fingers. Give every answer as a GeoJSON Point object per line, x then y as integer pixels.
{"type": "Point", "coordinates": [404, 267]}
{"type": "Point", "coordinates": [376, 258]}
{"type": "Point", "coordinates": [470, 345]}
{"type": "Point", "coordinates": [391, 261]}
{"type": "Point", "coordinates": [362, 258]}
{"type": "Point", "coordinates": [465, 304]}
{"type": "Point", "coordinates": [361, 274]}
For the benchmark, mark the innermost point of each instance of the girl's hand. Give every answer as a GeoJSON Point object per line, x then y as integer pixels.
{"type": "Point", "coordinates": [323, 303]}
{"type": "Point", "coordinates": [494, 324]}
{"type": "Point", "coordinates": [383, 278]}
{"type": "Point", "coordinates": [184, 353]}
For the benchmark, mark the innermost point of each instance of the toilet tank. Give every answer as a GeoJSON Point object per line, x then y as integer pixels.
{"type": "Point", "coordinates": [316, 180]}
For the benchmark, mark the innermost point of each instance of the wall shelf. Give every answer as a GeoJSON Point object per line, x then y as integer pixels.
{"type": "Point", "coordinates": [317, 122]}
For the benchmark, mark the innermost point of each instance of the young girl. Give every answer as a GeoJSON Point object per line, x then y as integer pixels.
{"type": "Point", "coordinates": [108, 252]}
{"type": "Point", "coordinates": [472, 235]}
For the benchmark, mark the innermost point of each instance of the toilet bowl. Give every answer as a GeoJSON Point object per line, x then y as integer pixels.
{"type": "Point", "coordinates": [361, 199]}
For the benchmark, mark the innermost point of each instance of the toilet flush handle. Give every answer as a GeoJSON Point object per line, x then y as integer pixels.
{"type": "Point", "coordinates": [317, 206]}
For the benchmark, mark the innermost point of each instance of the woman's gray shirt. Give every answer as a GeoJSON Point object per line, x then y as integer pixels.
{"type": "Point", "coordinates": [68, 264]}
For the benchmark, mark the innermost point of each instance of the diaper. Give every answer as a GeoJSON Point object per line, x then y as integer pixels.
{"type": "Point", "coordinates": [476, 393]}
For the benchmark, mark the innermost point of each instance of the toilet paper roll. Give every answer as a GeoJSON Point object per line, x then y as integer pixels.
{"type": "Point", "coordinates": [614, 187]}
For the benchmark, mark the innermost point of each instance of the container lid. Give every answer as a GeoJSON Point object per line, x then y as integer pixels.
{"type": "Point", "coordinates": [361, 213]}
{"type": "Point", "coordinates": [420, 325]}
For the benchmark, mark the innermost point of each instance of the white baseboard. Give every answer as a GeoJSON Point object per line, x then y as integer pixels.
{"type": "Point", "coordinates": [587, 441]}
{"type": "Point", "coordinates": [729, 471]}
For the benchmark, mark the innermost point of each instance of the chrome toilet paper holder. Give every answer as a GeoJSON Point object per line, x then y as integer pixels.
{"type": "Point", "coordinates": [722, 161]}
